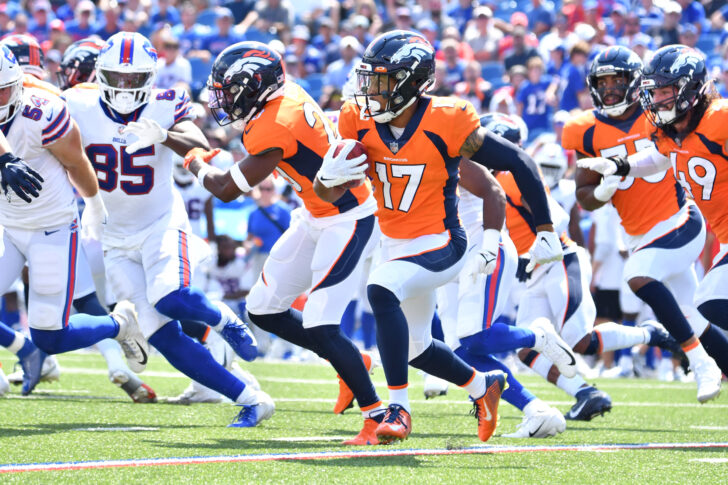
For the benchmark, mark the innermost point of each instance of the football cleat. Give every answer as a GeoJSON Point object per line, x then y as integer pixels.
{"type": "Point", "coordinates": [396, 425]}
{"type": "Point", "coordinates": [434, 386]}
{"type": "Point", "coordinates": [245, 376]}
{"type": "Point", "coordinates": [659, 337]}
{"type": "Point", "coordinates": [345, 399]}
{"type": "Point", "coordinates": [485, 408]}
{"type": "Point", "coordinates": [51, 372]}
{"type": "Point", "coordinates": [252, 414]}
{"type": "Point", "coordinates": [367, 435]}
{"type": "Point", "coordinates": [708, 377]}
{"type": "Point", "coordinates": [236, 333]}
{"type": "Point", "coordinates": [196, 393]}
{"type": "Point", "coordinates": [541, 423]}
{"type": "Point", "coordinates": [590, 402]}
{"type": "Point", "coordinates": [130, 337]}
{"type": "Point", "coordinates": [133, 386]}
{"type": "Point", "coordinates": [554, 348]}
{"type": "Point", "coordinates": [4, 384]}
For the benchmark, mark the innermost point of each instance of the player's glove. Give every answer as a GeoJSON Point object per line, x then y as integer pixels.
{"type": "Point", "coordinates": [147, 131]}
{"type": "Point", "coordinates": [200, 153]}
{"type": "Point", "coordinates": [546, 249]}
{"type": "Point", "coordinates": [15, 174]}
{"type": "Point", "coordinates": [337, 170]}
{"type": "Point", "coordinates": [93, 219]}
{"type": "Point", "coordinates": [484, 261]}
{"type": "Point", "coordinates": [605, 166]}
{"type": "Point", "coordinates": [607, 187]}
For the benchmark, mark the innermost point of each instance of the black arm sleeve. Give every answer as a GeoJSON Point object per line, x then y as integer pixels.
{"type": "Point", "coordinates": [499, 154]}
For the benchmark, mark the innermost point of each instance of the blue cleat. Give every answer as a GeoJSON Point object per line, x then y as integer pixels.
{"type": "Point", "coordinates": [251, 415]}
{"type": "Point", "coordinates": [659, 337]}
{"type": "Point", "coordinates": [237, 334]}
{"type": "Point", "coordinates": [590, 402]}
{"type": "Point", "coordinates": [31, 361]}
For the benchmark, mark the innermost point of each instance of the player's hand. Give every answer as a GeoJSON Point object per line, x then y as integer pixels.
{"type": "Point", "coordinates": [546, 249]}
{"type": "Point", "coordinates": [337, 170]}
{"type": "Point", "coordinates": [607, 187]}
{"type": "Point", "coordinates": [604, 166]}
{"type": "Point", "coordinates": [147, 131]}
{"type": "Point", "coordinates": [201, 154]}
{"type": "Point", "coordinates": [15, 174]}
{"type": "Point", "coordinates": [93, 219]}
{"type": "Point", "coordinates": [484, 261]}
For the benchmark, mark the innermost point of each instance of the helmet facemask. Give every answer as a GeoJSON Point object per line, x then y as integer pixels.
{"type": "Point", "coordinates": [236, 102]}
{"type": "Point", "coordinates": [670, 110]}
{"type": "Point", "coordinates": [394, 89]}
{"type": "Point", "coordinates": [125, 91]}
{"type": "Point", "coordinates": [10, 98]}
{"type": "Point", "coordinates": [627, 91]}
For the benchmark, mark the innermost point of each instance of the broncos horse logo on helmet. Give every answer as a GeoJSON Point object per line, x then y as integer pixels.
{"type": "Point", "coordinates": [78, 64]}
{"type": "Point", "coordinates": [510, 127]}
{"type": "Point", "coordinates": [397, 68]}
{"type": "Point", "coordinates": [244, 77]}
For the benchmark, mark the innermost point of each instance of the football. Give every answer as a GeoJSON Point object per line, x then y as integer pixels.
{"type": "Point", "coordinates": [359, 149]}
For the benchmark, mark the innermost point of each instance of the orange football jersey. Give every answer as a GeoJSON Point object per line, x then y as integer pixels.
{"type": "Point", "coordinates": [640, 202]}
{"type": "Point", "coordinates": [700, 164]}
{"type": "Point", "coordinates": [415, 176]}
{"type": "Point", "coordinates": [30, 81]}
{"type": "Point", "coordinates": [294, 123]}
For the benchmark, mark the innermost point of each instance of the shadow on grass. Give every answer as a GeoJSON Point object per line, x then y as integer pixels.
{"type": "Point", "coordinates": [52, 428]}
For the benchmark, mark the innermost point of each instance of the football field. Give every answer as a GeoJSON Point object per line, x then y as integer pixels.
{"type": "Point", "coordinates": [84, 430]}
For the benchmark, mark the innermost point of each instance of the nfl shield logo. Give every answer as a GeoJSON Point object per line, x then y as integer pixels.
{"type": "Point", "coordinates": [393, 146]}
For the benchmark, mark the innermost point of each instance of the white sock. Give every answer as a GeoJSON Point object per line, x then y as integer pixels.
{"type": "Point", "coordinates": [476, 386]}
{"type": "Point", "coordinates": [534, 406]}
{"type": "Point", "coordinates": [248, 397]}
{"type": "Point", "coordinates": [571, 385]}
{"type": "Point", "coordinates": [541, 366]}
{"type": "Point", "coordinates": [400, 396]}
{"type": "Point", "coordinates": [111, 351]}
{"type": "Point", "coordinates": [17, 344]}
{"type": "Point", "coordinates": [614, 336]}
{"type": "Point", "coordinates": [370, 413]}
{"type": "Point", "coordinates": [697, 353]}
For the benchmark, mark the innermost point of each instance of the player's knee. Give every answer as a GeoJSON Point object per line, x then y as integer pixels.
{"type": "Point", "coordinates": [326, 336]}
{"type": "Point", "coordinates": [421, 354]}
{"type": "Point", "coordinates": [89, 305]}
{"type": "Point", "coordinates": [715, 311]}
{"type": "Point", "coordinates": [638, 282]}
{"type": "Point", "coordinates": [166, 336]}
{"type": "Point", "coordinates": [380, 298]}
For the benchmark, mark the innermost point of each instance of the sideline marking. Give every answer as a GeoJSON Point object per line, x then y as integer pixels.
{"type": "Point", "coordinates": [329, 455]}
{"type": "Point", "coordinates": [711, 460]}
{"type": "Point", "coordinates": [117, 428]}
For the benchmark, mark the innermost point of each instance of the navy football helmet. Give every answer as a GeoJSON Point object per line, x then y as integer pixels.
{"type": "Point", "coordinates": [684, 69]}
{"type": "Point", "coordinates": [615, 61]}
{"type": "Point", "coordinates": [79, 63]}
{"type": "Point", "coordinates": [510, 127]}
{"type": "Point", "coordinates": [244, 77]}
{"type": "Point", "coordinates": [28, 53]}
{"type": "Point", "coordinates": [396, 69]}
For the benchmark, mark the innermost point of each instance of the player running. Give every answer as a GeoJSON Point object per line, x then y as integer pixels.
{"type": "Point", "coordinates": [666, 231]}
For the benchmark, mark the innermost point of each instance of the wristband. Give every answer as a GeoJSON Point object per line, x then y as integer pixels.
{"type": "Point", "coordinates": [239, 178]}
{"type": "Point", "coordinates": [204, 170]}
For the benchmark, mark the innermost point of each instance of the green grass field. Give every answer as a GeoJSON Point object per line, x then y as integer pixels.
{"type": "Point", "coordinates": [73, 420]}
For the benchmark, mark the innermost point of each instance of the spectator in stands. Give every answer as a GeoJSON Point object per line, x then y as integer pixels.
{"type": "Point", "coordinates": [465, 53]}
{"type": "Point", "coordinates": [368, 10]}
{"type": "Point", "coordinates": [474, 88]}
{"type": "Point", "coordinates": [454, 66]}
{"type": "Point", "coordinates": [65, 11]}
{"type": "Point", "coordinates": [540, 16]}
{"type": "Point", "coordinates": [616, 21]}
{"type": "Point", "coordinates": [20, 24]}
{"type": "Point", "coordinates": [482, 37]}
{"type": "Point", "coordinates": [338, 72]}
{"type": "Point", "coordinates": [39, 26]}
{"type": "Point", "coordinates": [556, 56]}
{"type": "Point", "coordinates": [531, 99]}
{"type": "Point", "coordinates": [693, 13]}
{"type": "Point", "coordinates": [559, 35]}
{"type": "Point", "coordinates": [723, 85]}
{"type": "Point", "coordinates": [82, 24]}
{"type": "Point", "coordinates": [642, 46]}
{"type": "Point", "coordinates": [440, 87]}
{"type": "Point", "coordinates": [650, 13]}
{"type": "Point", "coordinates": [189, 33]}
{"type": "Point", "coordinates": [403, 19]}
{"type": "Point", "coordinates": [503, 100]}
{"type": "Point", "coordinates": [229, 271]}
{"type": "Point", "coordinates": [461, 13]}
{"type": "Point", "coordinates": [240, 9]}
{"type": "Point", "coordinates": [668, 33]}
{"type": "Point", "coordinates": [428, 28]}
{"type": "Point", "coordinates": [519, 22]}
{"type": "Point", "coordinates": [520, 53]}
{"type": "Point", "coordinates": [688, 35]}
{"type": "Point", "coordinates": [360, 28]}
{"type": "Point", "coordinates": [5, 23]}
{"type": "Point", "coordinates": [574, 12]}
{"type": "Point", "coordinates": [58, 39]}
{"type": "Point", "coordinates": [308, 55]}
{"type": "Point", "coordinates": [573, 75]}
{"type": "Point", "coordinates": [135, 22]}
{"type": "Point", "coordinates": [273, 13]}
{"type": "Point", "coordinates": [221, 37]}
{"type": "Point", "coordinates": [631, 29]}
{"type": "Point", "coordinates": [327, 40]}
{"type": "Point", "coordinates": [164, 13]}
{"type": "Point", "coordinates": [111, 23]}
{"type": "Point", "coordinates": [172, 68]}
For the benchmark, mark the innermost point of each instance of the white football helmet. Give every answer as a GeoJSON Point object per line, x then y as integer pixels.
{"type": "Point", "coordinates": [11, 85]}
{"type": "Point", "coordinates": [126, 69]}
{"type": "Point", "coordinates": [552, 161]}
{"type": "Point", "coordinates": [181, 175]}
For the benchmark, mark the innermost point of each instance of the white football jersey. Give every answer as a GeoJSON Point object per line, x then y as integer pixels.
{"type": "Point", "coordinates": [565, 194]}
{"type": "Point", "coordinates": [194, 198]}
{"type": "Point", "coordinates": [41, 120]}
{"type": "Point", "coordinates": [137, 189]}
{"type": "Point", "coordinates": [470, 209]}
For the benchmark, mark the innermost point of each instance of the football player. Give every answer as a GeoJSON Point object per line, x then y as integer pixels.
{"type": "Point", "coordinates": [415, 143]}
{"type": "Point", "coordinates": [322, 251]}
{"type": "Point", "coordinates": [130, 134]}
{"type": "Point", "coordinates": [666, 232]}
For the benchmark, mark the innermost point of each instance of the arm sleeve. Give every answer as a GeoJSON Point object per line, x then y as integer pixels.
{"type": "Point", "coordinates": [499, 154]}
{"type": "Point", "coordinates": [59, 124]}
{"type": "Point", "coordinates": [647, 162]}
{"type": "Point", "coordinates": [183, 107]}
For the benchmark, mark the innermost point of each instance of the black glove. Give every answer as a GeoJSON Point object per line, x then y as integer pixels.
{"type": "Point", "coordinates": [14, 173]}
{"type": "Point", "coordinates": [521, 272]}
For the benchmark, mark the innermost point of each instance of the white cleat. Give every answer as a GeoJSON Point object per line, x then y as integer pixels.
{"type": "Point", "coordinates": [51, 372]}
{"type": "Point", "coordinates": [554, 348]}
{"type": "Point", "coordinates": [196, 393]}
{"type": "Point", "coordinates": [542, 422]}
{"type": "Point", "coordinates": [4, 384]}
{"type": "Point", "coordinates": [708, 377]}
{"type": "Point", "coordinates": [130, 337]}
{"type": "Point", "coordinates": [245, 376]}
{"type": "Point", "coordinates": [434, 386]}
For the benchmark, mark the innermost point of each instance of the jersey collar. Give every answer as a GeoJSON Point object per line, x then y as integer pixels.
{"type": "Point", "coordinates": [396, 144]}
{"type": "Point", "coordinates": [118, 118]}
{"type": "Point", "coordinates": [622, 125]}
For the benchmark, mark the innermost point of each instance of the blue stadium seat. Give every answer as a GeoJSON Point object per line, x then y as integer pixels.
{"type": "Point", "coordinates": [207, 17]}
{"type": "Point", "coordinates": [493, 71]}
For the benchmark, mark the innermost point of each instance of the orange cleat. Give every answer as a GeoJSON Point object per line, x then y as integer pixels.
{"type": "Point", "coordinates": [485, 408]}
{"type": "Point", "coordinates": [367, 435]}
{"type": "Point", "coordinates": [396, 425]}
{"type": "Point", "coordinates": [345, 400]}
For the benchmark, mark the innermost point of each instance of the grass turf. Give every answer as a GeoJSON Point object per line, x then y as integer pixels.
{"type": "Point", "coordinates": [66, 421]}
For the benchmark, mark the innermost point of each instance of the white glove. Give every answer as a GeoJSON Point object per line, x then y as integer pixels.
{"type": "Point", "coordinates": [337, 170]}
{"type": "Point", "coordinates": [484, 261]}
{"type": "Point", "coordinates": [93, 220]}
{"type": "Point", "coordinates": [546, 249]}
{"type": "Point", "coordinates": [147, 131]}
{"type": "Point", "coordinates": [601, 165]}
{"type": "Point", "coordinates": [607, 187]}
